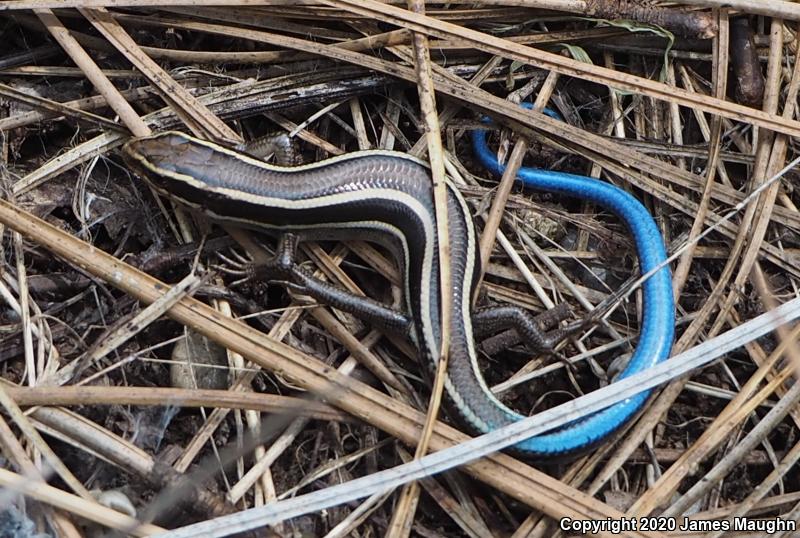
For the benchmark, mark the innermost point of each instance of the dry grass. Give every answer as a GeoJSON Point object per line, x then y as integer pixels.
{"type": "Point", "coordinates": [314, 397]}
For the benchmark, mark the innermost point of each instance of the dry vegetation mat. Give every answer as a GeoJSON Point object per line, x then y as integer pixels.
{"type": "Point", "coordinates": [156, 379]}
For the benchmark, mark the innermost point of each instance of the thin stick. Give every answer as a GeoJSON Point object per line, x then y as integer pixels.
{"type": "Point", "coordinates": [72, 503]}
{"type": "Point", "coordinates": [406, 506]}
{"type": "Point", "coordinates": [495, 216]}
{"type": "Point", "coordinates": [126, 113]}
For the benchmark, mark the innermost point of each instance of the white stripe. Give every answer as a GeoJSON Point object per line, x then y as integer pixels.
{"type": "Point", "coordinates": [305, 167]}
{"type": "Point", "coordinates": [333, 200]}
{"type": "Point", "coordinates": [466, 316]}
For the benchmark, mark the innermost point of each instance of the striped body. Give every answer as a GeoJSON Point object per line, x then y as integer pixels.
{"type": "Point", "coordinates": [384, 197]}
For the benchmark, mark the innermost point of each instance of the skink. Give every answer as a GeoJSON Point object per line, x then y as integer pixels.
{"type": "Point", "coordinates": [386, 197]}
